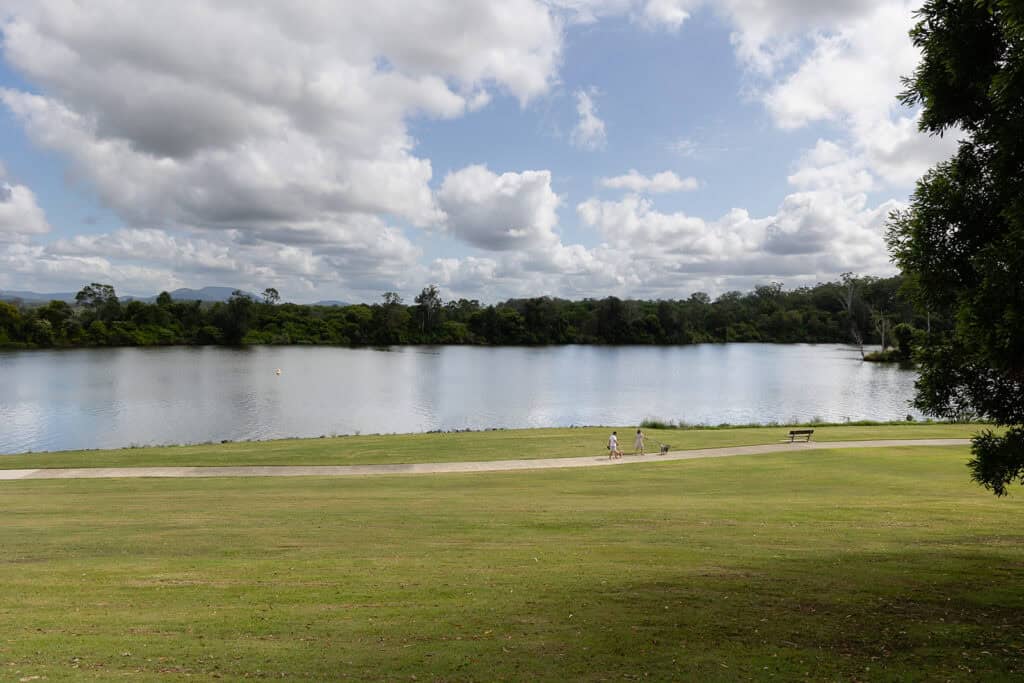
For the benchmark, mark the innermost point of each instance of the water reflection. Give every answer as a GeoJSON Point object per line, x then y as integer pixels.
{"type": "Point", "coordinates": [118, 397]}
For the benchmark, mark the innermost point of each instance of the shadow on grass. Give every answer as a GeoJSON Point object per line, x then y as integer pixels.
{"type": "Point", "coordinates": [909, 615]}
{"type": "Point", "coordinates": [906, 616]}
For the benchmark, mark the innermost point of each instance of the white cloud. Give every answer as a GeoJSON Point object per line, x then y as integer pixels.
{"type": "Point", "coordinates": [20, 215]}
{"type": "Point", "coordinates": [851, 73]}
{"type": "Point", "coordinates": [666, 181]}
{"type": "Point", "coordinates": [827, 230]}
{"type": "Point", "coordinates": [500, 212]}
{"type": "Point", "coordinates": [650, 14]}
{"type": "Point", "coordinates": [899, 152]}
{"type": "Point", "coordinates": [25, 266]}
{"type": "Point", "coordinates": [828, 225]}
{"type": "Point", "coordinates": [667, 13]}
{"type": "Point", "coordinates": [589, 132]}
{"type": "Point", "coordinates": [635, 226]}
{"type": "Point", "coordinates": [146, 261]}
{"type": "Point", "coordinates": [464, 274]}
{"type": "Point", "coordinates": [571, 271]}
{"type": "Point", "coordinates": [590, 11]}
{"type": "Point", "coordinates": [269, 146]}
{"type": "Point", "coordinates": [851, 78]}
{"type": "Point", "coordinates": [684, 147]}
{"type": "Point", "coordinates": [479, 100]}
{"type": "Point", "coordinates": [824, 228]}
{"type": "Point", "coordinates": [150, 246]}
{"type": "Point", "coordinates": [768, 33]}
{"type": "Point", "coordinates": [830, 166]}
{"type": "Point", "coordinates": [268, 123]}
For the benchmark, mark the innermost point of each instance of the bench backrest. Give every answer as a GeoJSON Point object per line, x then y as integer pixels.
{"type": "Point", "coordinates": [801, 431]}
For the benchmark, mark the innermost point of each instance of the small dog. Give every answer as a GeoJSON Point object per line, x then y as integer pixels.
{"type": "Point", "coordinates": [664, 448]}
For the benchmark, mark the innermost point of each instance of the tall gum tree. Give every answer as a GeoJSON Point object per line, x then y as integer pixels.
{"type": "Point", "coordinates": [961, 240]}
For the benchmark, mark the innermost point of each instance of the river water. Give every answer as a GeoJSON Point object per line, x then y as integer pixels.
{"type": "Point", "coordinates": [104, 398]}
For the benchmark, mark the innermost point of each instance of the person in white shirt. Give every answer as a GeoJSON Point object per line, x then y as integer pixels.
{"type": "Point", "coordinates": [613, 447]}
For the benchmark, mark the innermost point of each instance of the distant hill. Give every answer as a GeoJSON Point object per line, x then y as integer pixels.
{"type": "Point", "coordinates": [37, 297]}
{"type": "Point", "coordinates": [205, 294]}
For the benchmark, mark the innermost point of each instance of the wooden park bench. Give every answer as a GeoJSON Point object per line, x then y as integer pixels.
{"type": "Point", "coordinates": [800, 434]}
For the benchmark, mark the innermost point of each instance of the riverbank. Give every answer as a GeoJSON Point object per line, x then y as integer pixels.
{"type": "Point", "coordinates": [827, 565]}
{"type": "Point", "coordinates": [463, 446]}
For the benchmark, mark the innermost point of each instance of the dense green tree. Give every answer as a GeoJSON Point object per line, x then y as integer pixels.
{"type": "Point", "coordinates": [95, 295]}
{"type": "Point", "coordinates": [961, 241]}
{"type": "Point", "coordinates": [461, 310]}
{"type": "Point", "coordinates": [905, 338]}
{"type": "Point", "coordinates": [41, 333]}
{"type": "Point", "coordinates": [271, 296]}
{"type": "Point", "coordinates": [58, 313]}
{"type": "Point", "coordinates": [428, 309]}
{"type": "Point", "coordinates": [235, 317]}
{"type": "Point", "coordinates": [612, 325]}
{"type": "Point", "coordinates": [10, 323]}
{"type": "Point", "coordinates": [511, 326]}
{"type": "Point", "coordinates": [100, 301]}
{"type": "Point", "coordinates": [98, 334]}
{"type": "Point", "coordinates": [359, 319]}
{"type": "Point", "coordinates": [390, 320]}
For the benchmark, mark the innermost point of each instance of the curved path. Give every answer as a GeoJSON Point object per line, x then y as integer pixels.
{"type": "Point", "coordinates": [445, 467]}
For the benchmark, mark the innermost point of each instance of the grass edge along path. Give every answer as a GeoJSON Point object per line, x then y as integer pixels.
{"type": "Point", "coordinates": [521, 444]}
{"type": "Point", "coordinates": [455, 467]}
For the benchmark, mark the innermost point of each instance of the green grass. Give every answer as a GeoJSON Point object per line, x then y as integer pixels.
{"type": "Point", "coordinates": [461, 446]}
{"type": "Point", "coordinates": [874, 564]}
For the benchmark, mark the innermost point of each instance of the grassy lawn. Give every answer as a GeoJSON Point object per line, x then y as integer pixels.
{"type": "Point", "coordinates": [874, 564]}
{"type": "Point", "coordinates": [494, 445]}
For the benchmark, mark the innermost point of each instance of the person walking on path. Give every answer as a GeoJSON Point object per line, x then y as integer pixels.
{"type": "Point", "coordinates": [638, 443]}
{"type": "Point", "coordinates": [613, 446]}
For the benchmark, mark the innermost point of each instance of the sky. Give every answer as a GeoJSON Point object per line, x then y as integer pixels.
{"type": "Point", "coordinates": [338, 150]}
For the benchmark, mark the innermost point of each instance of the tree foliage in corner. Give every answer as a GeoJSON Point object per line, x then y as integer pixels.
{"type": "Point", "coordinates": [961, 241]}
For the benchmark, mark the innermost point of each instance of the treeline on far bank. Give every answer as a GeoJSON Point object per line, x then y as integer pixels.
{"type": "Point", "coordinates": [862, 310]}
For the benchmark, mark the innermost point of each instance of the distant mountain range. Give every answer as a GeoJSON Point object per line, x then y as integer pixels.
{"type": "Point", "coordinates": [36, 297]}
{"type": "Point", "coordinates": [207, 294]}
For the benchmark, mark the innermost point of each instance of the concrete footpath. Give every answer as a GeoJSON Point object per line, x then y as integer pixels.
{"type": "Point", "coordinates": [451, 467]}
